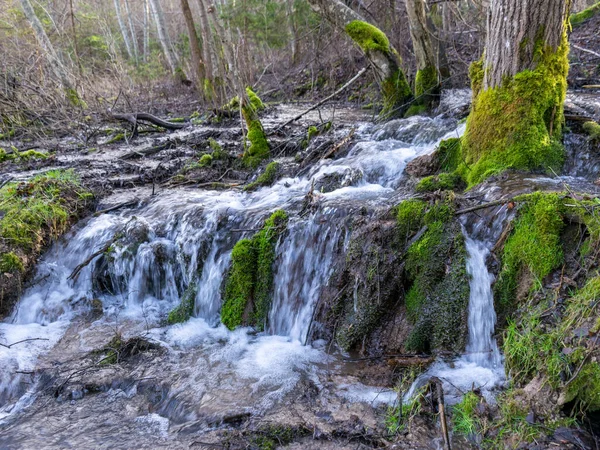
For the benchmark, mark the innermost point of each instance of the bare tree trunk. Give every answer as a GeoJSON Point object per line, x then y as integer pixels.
{"type": "Point", "coordinates": [197, 63]}
{"type": "Point", "coordinates": [426, 80]}
{"type": "Point", "coordinates": [384, 60]}
{"type": "Point", "coordinates": [74, 31]}
{"type": "Point", "coordinates": [136, 51]}
{"type": "Point", "coordinates": [123, 29]}
{"type": "Point", "coordinates": [289, 6]}
{"type": "Point", "coordinates": [519, 89]}
{"type": "Point", "coordinates": [51, 55]}
{"type": "Point", "coordinates": [146, 30]}
{"type": "Point", "coordinates": [163, 36]}
{"type": "Point", "coordinates": [210, 55]}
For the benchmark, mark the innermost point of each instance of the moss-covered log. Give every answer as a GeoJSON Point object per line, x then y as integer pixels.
{"type": "Point", "coordinates": [249, 283]}
{"type": "Point", "coordinates": [258, 148]}
{"type": "Point", "coordinates": [519, 88]}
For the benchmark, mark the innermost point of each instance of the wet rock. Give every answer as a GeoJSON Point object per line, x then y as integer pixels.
{"type": "Point", "coordinates": [424, 165]}
{"type": "Point", "coordinates": [336, 180]}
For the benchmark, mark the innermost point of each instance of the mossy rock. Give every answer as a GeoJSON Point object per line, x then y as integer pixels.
{"type": "Point", "coordinates": [592, 129]}
{"type": "Point", "coordinates": [248, 285]}
{"type": "Point", "coordinates": [267, 178]}
{"type": "Point", "coordinates": [10, 263]}
{"type": "Point", "coordinates": [185, 309]}
{"type": "Point", "coordinates": [442, 182]}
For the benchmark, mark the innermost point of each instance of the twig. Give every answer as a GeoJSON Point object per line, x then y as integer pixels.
{"type": "Point", "coordinates": [24, 340]}
{"type": "Point", "coordinates": [119, 206]}
{"type": "Point", "coordinates": [484, 205]}
{"type": "Point", "coordinates": [585, 50]}
{"type": "Point", "coordinates": [312, 108]}
{"type": "Point", "coordinates": [78, 269]}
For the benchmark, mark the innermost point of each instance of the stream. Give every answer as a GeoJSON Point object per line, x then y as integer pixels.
{"type": "Point", "coordinates": [204, 376]}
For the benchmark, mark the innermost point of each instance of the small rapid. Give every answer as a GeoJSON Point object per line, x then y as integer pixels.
{"type": "Point", "coordinates": [183, 238]}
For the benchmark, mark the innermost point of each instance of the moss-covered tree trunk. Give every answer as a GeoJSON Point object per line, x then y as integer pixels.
{"type": "Point", "coordinates": [426, 80]}
{"type": "Point", "coordinates": [384, 59]}
{"type": "Point", "coordinates": [518, 89]}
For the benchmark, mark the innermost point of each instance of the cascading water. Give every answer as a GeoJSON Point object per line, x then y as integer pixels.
{"type": "Point", "coordinates": [181, 238]}
{"type": "Point", "coordinates": [481, 366]}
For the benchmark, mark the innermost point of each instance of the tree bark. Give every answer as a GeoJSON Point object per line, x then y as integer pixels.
{"type": "Point", "coordinates": [210, 55]}
{"type": "Point", "coordinates": [515, 30]}
{"type": "Point", "coordinates": [146, 30]}
{"type": "Point", "coordinates": [519, 88]}
{"type": "Point", "coordinates": [136, 51]}
{"type": "Point", "coordinates": [383, 58]}
{"type": "Point", "coordinates": [426, 80]}
{"type": "Point", "coordinates": [163, 36]}
{"type": "Point", "coordinates": [123, 29]}
{"type": "Point", "coordinates": [196, 52]}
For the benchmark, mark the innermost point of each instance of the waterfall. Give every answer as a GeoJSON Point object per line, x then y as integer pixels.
{"type": "Point", "coordinates": [482, 348]}
{"type": "Point", "coordinates": [481, 365]}
{"type": "Point", "coordinates": [182, 237]}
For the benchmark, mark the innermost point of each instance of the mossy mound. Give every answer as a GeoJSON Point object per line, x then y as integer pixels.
{"type": "Point", "coordinates": [533, 249]}
{"type": "Point", "coordinates": [592, 129]}
{"type": "Point", "coordinates": [442, 182]}
{"type": "Point", "coordinates": [247, 292]}
{"type": "Point", "coordinates": [32, 214]}
{"type": "Point", "coordinates": [185, 309]}
{"type": "Point", "coordinates": [258, 148]}
{"type": "Point", "coordinates": [267, 178]}
{"type": "Point", "coordinates": [517, 125]}
{"type": "Point", "coordinates": [438, 296]}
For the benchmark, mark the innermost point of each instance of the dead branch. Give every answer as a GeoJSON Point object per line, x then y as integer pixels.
{"type": "Point", "coordinates": [325, 100]}
{"type": "Point", "coordinates": [119, 206]}
{"type": "Point", "coordinates": [21, 341]}
{"type": "Point", "coordinates": [80, 267]}
{"type": "Point", "coordinates": [484, 205]}
{"type": "Point", "coordinates": [146, 117]}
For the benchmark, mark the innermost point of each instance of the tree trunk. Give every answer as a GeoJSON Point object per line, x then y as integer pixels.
{"type": "Point", "coordinates": [210, 55]}
{"type": "Point", "coordinates": [51, 55]}
{"type": "Point", "coordinates": [197, 63]}
{"type": "Point", "coordinates": [384, 60]}
{"type": "Point", "coordinates": [519, 89]}
{"type": "Point", "coordinates": [146, 30]}
{"type": "Point", "coordinates": [123, 29]}
{"type": "Point", "coordinates": [136, 51]}
{"type": "Point", "coordinates": [163, 36]}
{"type": "Point", "coordinates": [426, 80]}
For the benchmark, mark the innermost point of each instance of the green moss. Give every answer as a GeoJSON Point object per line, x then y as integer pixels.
{"type": "Point", "coordinates": [205, 160]}
{"type": "Point", "coordinates": [439, 295]}
{"type": "Point", "coordinates": [116, 138]}
{"type": "Point", "coordinates": [396, 93]}
{"type": "Point", "coordinates": [443, 181]}
{"type": "Point", "coordinates": [410, 218]}
{"type": "Point", "coordinates": [10, 263]}
{"type": "Point", "coordinates": [593, 129]}
{"type": "Point", "coordinates": [395, 89]}
{"type": "Point", "coordinates": [534, 244]}
{"type": "Point", "coordinates": [449, 154]}
{"type": "Point", "coordinates": [255, 100]}
{"type": "Point", "coordinates": [368, 37]}
{"type": "Point", "coordinates": [259, 146]}
{"type": "Point", "coordinates": [311, 133]}
{"type": "Point", "coordinates": [464, 415]}
{"type": "Point", "coordinates": [426, 85]}
{"type": "Point", "coordinates": [586, 14]}
{"type": "Point", "coordinates": [476, 75]}
{"type": "Point", "coordinates": [185, 309]}
{"type": "Point", "coordinates": [518, 125]}
{"type": "Point", "coordinates": [585, 388]}
{"type": "Point", "coordinates": [267, 178]}
{"type": "Point", "coordinates": [415, 110]}
{"type": "Point", "coordinates": [39, 208]}
{"type": "Point", "coordinates": [24, 156]}
{"type": "Point", "coordinates": [247, 296]}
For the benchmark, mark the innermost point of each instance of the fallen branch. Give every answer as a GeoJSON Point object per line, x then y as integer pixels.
{"type": "Point", "coordinates": [148, 151]}
{"type": "Point", "coordinates": [441, 410]}
{"type": "Point", "coordinates": [312, 108]}
{"type": "Point", "coordinates": [339, 145]}
{"type": "Point", "coordinates": [145, 117]}
{"type": "Point", "coordinates": [484, 205]}
{"type": "Point", "coordinates": [21, 341]}
{"type": "Point", "coordinates": [115, 207]}
{"type": "Point", "coordinates": [585, 50]}
{"type": "Point", "coordinates": [81, 266]}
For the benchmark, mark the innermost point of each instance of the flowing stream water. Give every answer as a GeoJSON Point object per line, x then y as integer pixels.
{"type": "Point", "coordinates": [184, 237]}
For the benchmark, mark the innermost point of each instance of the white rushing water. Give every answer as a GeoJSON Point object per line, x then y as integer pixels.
{"type": "Point", "coordinates": [481, 366]}
{"type": "Point", "coordinates": [183, 237]}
